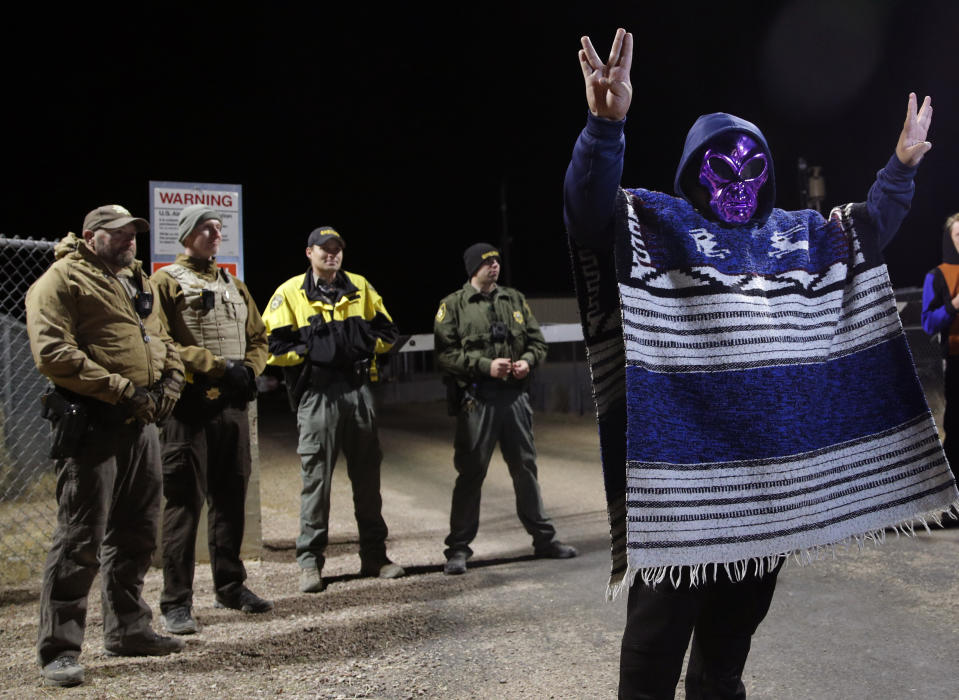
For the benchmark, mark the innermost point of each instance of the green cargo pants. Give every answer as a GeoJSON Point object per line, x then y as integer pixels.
{"type": "Point", "coordinates": [500, 415]}
{"type": "Point", "coordinates": [339, 417]}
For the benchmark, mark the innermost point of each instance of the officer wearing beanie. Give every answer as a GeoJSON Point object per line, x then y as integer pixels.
{"type": "Point", "coordinates": [221, 338]}
{"type": "Point", "coordinates": [487, 342]}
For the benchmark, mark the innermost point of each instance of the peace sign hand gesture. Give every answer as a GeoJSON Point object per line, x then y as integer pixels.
{"type": "Point", "coordinates": [608, 90]}
{"type": "Point", "coordinates": [912, 144]}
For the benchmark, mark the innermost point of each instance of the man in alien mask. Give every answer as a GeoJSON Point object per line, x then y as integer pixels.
{"type": "Point", "coordinates": [755, 395]}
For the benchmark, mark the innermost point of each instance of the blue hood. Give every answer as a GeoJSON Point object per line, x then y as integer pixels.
{"type": "Point", "coordinates": [707, 128]}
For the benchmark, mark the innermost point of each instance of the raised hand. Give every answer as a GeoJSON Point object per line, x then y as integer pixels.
{"type": "Point", "coordinates": [912, 144]}
{"type": "Point", "coordinates": [608, 90]}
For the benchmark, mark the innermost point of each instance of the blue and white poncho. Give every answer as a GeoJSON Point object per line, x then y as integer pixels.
{"type": "Point", "coordinates": [754, 389]}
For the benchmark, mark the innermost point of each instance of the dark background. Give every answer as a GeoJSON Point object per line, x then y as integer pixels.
{"type": "Point", "coordinates": [406, 129]}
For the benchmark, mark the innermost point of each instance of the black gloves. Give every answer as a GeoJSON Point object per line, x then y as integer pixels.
{"type": "Point", "coordinates": [240, 379]}
{"type": "Point", "coordinates": [141, 405]}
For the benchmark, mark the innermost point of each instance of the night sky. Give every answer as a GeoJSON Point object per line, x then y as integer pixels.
{"type": "Point", "coordinates": [406, 129]}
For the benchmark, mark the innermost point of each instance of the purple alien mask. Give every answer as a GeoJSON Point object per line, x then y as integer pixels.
{"type": "Point", "coordinates": [734, 177]}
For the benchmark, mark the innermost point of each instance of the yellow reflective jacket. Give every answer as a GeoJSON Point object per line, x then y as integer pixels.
{"type": "Point", "coordinates": [302, 323]}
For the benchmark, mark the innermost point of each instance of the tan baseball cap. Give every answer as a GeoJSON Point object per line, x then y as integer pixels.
{"type": "Point", "coordinates": [111, 216]}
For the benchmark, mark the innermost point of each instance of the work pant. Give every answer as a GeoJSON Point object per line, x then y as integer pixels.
{"type": "Point", "coordinates": [721, 616]}
{"type": "Point", "coordinates": [108, 508]}
{"type": "Point", "coordinates": [338, 417]}
{"type": "Point", "coordinates": [500, 415]}
{"type": "Point", "coordinates": [207, 461]}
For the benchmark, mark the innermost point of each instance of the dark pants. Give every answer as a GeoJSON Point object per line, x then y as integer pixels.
{"type": "Point", "coordinates": [108, 508]}
{"type": "Point", "coordinates": [504, 416]}
{"type": "Point", "coordinates": [339, 417]}
{"type": "Point", "coordinates": [208, 461]}
{"type": "Point", "coordinates": [721, 616]}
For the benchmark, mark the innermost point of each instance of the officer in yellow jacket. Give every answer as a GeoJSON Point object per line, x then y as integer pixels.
{"type": "Point", "coordinates": [325, 328]}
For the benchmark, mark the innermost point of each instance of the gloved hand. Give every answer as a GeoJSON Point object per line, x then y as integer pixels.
{"type": "Point", "coordinates": [141, 405]}
{"type": "Point", "coordinates": [168, 391]}
{"type": "Point", "coordinates": [239, 377]}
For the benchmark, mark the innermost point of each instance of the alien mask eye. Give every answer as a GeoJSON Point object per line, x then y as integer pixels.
{"type": "Point", "coordinates": [722, 169]}
{"type": "Point", "coordinates": [754, 168]}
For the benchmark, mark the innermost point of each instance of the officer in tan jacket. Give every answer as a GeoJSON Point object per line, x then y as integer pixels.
{"type": "Point", "coordinates": [221, 338]}
{"type": "Point", "coordinates": [95, 334]}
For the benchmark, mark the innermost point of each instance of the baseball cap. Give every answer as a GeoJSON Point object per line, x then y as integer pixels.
{"type": "Point", "coordinates": [111, 216]}
{"type": "Point", "coordinates": [321, 235]}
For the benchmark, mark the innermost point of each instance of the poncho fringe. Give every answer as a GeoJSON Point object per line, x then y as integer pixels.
{"type": "Point", "coordinates": [738, 570]}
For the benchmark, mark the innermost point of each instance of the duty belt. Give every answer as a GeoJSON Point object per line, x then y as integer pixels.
{"type": "Point", "coordinates": [99, 412]}
{"type": "Point", "coordinates": [488, 388]}
{"type": "Point", "coordinates": [322, 376]}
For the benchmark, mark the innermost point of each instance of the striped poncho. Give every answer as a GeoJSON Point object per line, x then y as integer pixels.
{"type": "Point", "coordinates": [756, 383]}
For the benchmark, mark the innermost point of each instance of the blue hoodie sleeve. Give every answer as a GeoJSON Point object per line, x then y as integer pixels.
{"type": "Point", "coordinates": [936, 315]}
{"type": "Point", "coordinates": [889, 199]}
{"type": "Point", "coordinates": [592, 182]}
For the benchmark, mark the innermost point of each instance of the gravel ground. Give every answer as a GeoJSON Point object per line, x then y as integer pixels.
{"type": "Point", "coordinates": [507, 629]}
{"type": "Point", "coordinates": [881, 623]}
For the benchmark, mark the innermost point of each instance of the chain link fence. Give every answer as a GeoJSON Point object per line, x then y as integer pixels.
{"type": "Point", "coordinates": [28, 510]}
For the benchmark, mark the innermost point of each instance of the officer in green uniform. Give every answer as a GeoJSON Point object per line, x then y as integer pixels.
{"type": "Point", "coordinates": [487, 341]}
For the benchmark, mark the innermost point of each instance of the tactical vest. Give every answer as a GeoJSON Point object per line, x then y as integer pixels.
{"type": "Point", "coordinates": [216, 320]}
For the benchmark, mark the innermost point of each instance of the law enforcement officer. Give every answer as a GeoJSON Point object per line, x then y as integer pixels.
{"type": "Point", "coordinates": [325, 328]}
{"type": "Point", "coordinates": [95, 334]}
{"type": "Point", "coordinates": [221, 338]}
{"type": "Point", "coordinates": [487, 341]}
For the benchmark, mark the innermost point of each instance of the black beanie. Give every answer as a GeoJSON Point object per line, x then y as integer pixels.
{"type": "Point", "coordinates": [476, 255]}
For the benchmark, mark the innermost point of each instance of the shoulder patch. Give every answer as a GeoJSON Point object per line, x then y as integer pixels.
{"type": "Point", "coordinates": [518, 316]}
{"type": "Point", "coordinates": [276, 302]}
{"type": "Point", "coordinates": [441, 312]}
